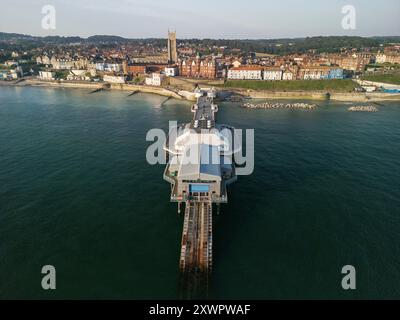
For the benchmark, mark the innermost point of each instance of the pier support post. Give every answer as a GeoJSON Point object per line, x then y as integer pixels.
{"type": "Point", "coordinates": [179, 207]}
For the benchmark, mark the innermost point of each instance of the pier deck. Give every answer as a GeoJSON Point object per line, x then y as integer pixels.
{"type": "Point", "coordinates": [196, 246]}
{"type": "Point", "coordinates": [199, 184]}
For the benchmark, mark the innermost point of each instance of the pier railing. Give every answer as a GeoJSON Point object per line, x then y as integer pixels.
{"type": "Point", "coordinates": [209, 199]}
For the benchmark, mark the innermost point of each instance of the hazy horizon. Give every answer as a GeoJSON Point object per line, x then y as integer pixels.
{"type": "Point", "coordinates": [193, 38]}
{"type": "Point", "coordinates": [138, 19]}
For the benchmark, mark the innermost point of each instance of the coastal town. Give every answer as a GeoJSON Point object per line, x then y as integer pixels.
{"type": "Point", "coordinates": [181, 64]}
{"type": "Point", "coordinates": [206, 159]}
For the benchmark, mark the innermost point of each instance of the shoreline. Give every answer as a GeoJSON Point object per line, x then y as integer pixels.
{"type": "Point", "coordinates": [95, 86]}
{"type": "Point", "coordinates": [186, 95]}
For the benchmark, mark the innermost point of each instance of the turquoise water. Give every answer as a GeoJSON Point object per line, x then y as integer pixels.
{"type": "Point", "coordinates": [76, 192]}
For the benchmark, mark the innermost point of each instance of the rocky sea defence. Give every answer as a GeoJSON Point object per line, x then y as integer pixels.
{"type": "Point", "coordinates": [363, 109]}
{"type": "Point", "coordinates": [277, 105]}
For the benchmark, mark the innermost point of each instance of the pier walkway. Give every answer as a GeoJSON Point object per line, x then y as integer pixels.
{"type": "Point", "coordinates": [196, 245]}
{"type": "Point", "coordinates": [200, 183]}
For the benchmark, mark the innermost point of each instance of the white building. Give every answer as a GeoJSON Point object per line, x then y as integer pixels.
{"type": "Point", "coordinates": [8, 75]}
{"type": "Point", "coordinates": [380, 58]}
{"type": "Point", "coordinates": [92, 69]}
{"type": "Point", "coordinates": [113, 79]}
{"type": "Point", "coordinates": [315, 72]}
{"type": "Point", "coordinates": [112, 67]}
{"type": "Point", "coordinates": [61, 63]}
{"type": "Point", "coordinates": [108, 67]}
{"type": "Point", "coordinates": [287, 75]}
{"type": "Point", "coordinates": [46, 75]}
{"type": "Point", "coordinates": [171, 71]}
{"type": "Point", "coordinates": [81, 63]}
{"type": "Point", "coordinates": [11, 63]}
{"type": "Point", "coordinates": [43, 60]}
{"type": "Point", "coordinates": [155, 80]}
{"type": "Point", "coordinates": [248, 72]}
{"type": "Point", "coordinates": [273, 73]}
{"type": "Point", "coordinates": [236, 64]}
{"type": "Point", "coordinates": [78, 75]}
{"type": "Point", "coordinates": [99, 66]}
{"type": "Point", "coordinates": [389, 58]}
{"type": "Point", "coordinates": [15, 74]}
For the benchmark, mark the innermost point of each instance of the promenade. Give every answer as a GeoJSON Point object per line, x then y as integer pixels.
{"type": "Point", "coordinates": [182, 94]}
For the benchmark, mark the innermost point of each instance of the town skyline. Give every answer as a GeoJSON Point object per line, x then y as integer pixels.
{"type": "Point", "coordinates": [163, 36]}
{"type": "Point", "coordinates": [256, 20]}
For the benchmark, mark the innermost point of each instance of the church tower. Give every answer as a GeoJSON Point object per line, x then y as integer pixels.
{"type": "Point", "coordinates": [172, 51]}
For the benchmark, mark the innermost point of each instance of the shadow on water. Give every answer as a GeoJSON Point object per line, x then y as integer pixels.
{"type": "Point", "coordinates": [193, 286]}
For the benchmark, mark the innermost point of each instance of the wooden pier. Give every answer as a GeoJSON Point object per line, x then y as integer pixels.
{"type": "Point", "coordinates": [196, 245]}
{"type": "Point", "coordinates": [196, 250]}
{"type": "Point", "coordinates": [199, 184]}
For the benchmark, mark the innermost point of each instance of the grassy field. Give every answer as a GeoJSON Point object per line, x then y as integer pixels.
{"type": "Point", "coordinates": [345, 85]}
{"type": "Point", "coordinates": [385, 78]}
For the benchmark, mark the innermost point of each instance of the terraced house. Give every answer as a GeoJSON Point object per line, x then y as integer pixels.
{"type": "Point", "coordinates": [246, 72]}
{"type": "Point", "coordinates": [320, 72]}
{"type": "Point", "coordinates": [198, 68]}
{"type": "Point", "coordinates": [273, 73]}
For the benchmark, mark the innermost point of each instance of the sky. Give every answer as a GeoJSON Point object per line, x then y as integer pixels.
{"type": "Point", "coordinates": [218, 19]}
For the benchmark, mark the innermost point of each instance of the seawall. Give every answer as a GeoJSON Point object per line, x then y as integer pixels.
{"type": "Point", "coordinates": [147, 89]}
{"type": "Point", "coordinates": [56, 84]}
{"type": "Point", "coordinates": [319, 95]}
{"type": "Point", "coordinates": [188, 95]}
{"type": "Point", "coordinates": [113, 86]}
{"type": "Point", "coordinates": [287, 95]}
{"type": "Point", "coordinates": [365, 97]}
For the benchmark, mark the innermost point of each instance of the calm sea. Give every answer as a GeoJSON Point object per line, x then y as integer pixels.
{"type": "Point", "coordinates": [76, 192]}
